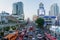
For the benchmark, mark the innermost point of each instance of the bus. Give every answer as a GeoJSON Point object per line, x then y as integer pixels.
{"type": "Point", "coordinates": [12, 36]}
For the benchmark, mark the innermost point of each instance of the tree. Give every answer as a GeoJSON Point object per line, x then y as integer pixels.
{"type": "Point", "coordinates": [1, 33]}
{"type": "Point", "coordinates": [13, 28]}
{"type": "Point", "coordinates": [40, 22]}
{"type": "Point", "coordinates": [7, 28]}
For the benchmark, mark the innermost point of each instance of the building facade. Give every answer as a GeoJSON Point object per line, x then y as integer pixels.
{"type": "Point", "coordinates": [3, 16]}
{"type": "Point", "coordinates": [54, 10]}
{"type": "Point", "coordinates": [18, 17]}
{"type": "Point", "coordinates": [58, 20]}
{"type": "Point", "coordinates": [18, 10]}
{"type": "Point", "coordinates": [49, 20]}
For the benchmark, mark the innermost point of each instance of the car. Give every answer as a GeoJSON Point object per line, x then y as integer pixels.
{"type": "Point", "coordinates": [37, 31]}
{"type": "Point", "coordinates": [11, 32]}
{"type": "Point", "coordinates": [39, 36]}
{"type": "Point", "coordinates": [30, 33]}
{"type": "Point", "coordinates": [30, 37]}
{"type": "Point", "coordinates": [33, 38]}
{"type": "Point", "coordinates": [25, 37]}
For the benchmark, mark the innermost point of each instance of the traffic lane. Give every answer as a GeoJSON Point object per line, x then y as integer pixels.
{"type": "Point", "coordinates": [45, 38]}
{"type": "Point", "coordinates": [30, 33]}
{"type": "Point", "coordinates": [20, 35]}
{"type": "Point", "coordinates": [19, 38]}
{"type": "Point", "coordinates": [42, 37]}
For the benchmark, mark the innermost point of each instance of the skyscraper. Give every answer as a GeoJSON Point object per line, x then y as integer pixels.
{"type": "Point", "coordinates": [54, 10]}
{"type": "Point", "coordinates": [41, 10]}
{"type": "Point", "coordinates": [14, 11]}
{"type": "Point", "coordinates": [17, 8]}
{"type": "Point", "coordinates": [17, 11]}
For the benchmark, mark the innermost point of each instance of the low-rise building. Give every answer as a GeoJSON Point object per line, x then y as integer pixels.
{"type": "Point", "coordinates": [18, 17]}
{"type": "Point", "coordinates": [49, 20]}
{"type": "Point", "coordinates": [3, 16]}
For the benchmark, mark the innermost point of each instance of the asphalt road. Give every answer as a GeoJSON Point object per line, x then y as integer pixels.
{"type": "Point", "coordinates": [40, 31]}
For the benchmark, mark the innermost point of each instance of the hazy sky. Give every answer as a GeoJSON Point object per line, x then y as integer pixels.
{"type": "Point", "coordinates": [30, 6]}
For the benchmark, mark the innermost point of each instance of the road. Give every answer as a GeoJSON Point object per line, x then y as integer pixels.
{"type": "Point", "coordinates": [31, 32]}
{"type": "Point", "coordinates": [34, 37]}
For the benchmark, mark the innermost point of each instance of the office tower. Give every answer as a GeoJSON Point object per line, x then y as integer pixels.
{"type": "Point", "coordinates": [41, 10]}
{"type": "Point", "coordinates": [54, 10]}
{"type": "Point", "coordinates": [17, 8]}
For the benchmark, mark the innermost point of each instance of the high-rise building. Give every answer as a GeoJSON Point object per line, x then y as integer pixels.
{"type": "Point", "coordinates": [18, 11]}
{"type": "Point", "coordinates": [41, 10]}
{"type": "Point", "coordinates": [54, 10]}
{"type": "Point", "coordinates": [14, 11]}
{"type": "Point", "coordinates": [17, 8]}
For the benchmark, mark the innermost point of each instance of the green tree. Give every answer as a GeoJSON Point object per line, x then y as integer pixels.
{"type": "Point", "coordinates": [6, 28]}
{"type": "Point", "coordinates": [1, 33]}
{"type": "Point", "coordinates": [17, 25]}
{"type": "Point", "coordinates": [40, 22]}
{"type": "Point", "coordinates": [13, 28]}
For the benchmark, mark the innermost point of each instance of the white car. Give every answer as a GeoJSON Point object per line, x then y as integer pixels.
{"type": "Point", "coordinates": [39, 36]}
{"type": "Point", "coordinates": [33, 38]}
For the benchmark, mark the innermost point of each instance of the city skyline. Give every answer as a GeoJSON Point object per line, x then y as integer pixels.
{"type": "Point", "coordinates": [30, 6]}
